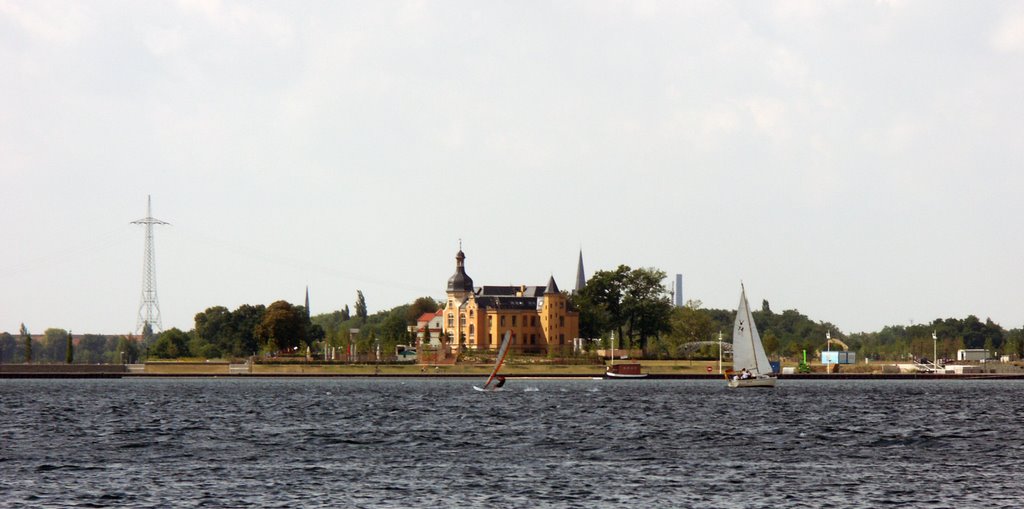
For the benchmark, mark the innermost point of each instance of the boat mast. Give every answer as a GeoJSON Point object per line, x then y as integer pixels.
{"type": "Point", "coordinates": [750, 328]}
{"type": "Point", "coordinates": [613, 349]}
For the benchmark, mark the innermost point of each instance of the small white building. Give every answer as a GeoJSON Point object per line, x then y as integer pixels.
{"type": "Point", "coordinates": [972, 354]}
{"type": "Point", "coordinates": [428, 328]}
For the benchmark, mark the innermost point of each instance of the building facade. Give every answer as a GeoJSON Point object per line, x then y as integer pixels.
{"type": "Point", "coordinates": [476, 318]}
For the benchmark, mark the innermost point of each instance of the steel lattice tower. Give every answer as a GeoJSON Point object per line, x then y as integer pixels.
{"type": "Point", "coordinates": [149, 306]}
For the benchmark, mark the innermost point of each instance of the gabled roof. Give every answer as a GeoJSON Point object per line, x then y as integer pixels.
{"type": "Point", "coordinates": [426, 317]}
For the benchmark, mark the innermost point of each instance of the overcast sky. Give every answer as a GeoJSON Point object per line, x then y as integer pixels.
{"type": "Point", "coordinates": [858, 161]}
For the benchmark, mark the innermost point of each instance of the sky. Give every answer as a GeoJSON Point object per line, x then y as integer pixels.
{"type": "Point", "coordinates": [858, 161]}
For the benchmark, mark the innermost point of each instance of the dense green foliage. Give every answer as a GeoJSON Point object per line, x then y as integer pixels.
{"type": "Point", "coordinates": [788, 334]}
{"type": "Point", "coordinates": [631, 302]}
{"type": "Point", "coordinates": [27, 339]}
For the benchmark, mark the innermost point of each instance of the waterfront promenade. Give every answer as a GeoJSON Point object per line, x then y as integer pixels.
{"type": "Point", "coordinates": [681, 370]}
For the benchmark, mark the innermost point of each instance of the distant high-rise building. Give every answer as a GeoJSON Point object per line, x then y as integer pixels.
{"type": "Point", "coordinates": [679, 291]}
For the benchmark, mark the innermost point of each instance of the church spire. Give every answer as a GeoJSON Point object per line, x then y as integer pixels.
{"type": "Point", "coordinates": [581, 280]}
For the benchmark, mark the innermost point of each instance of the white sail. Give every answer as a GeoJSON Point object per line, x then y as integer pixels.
{"type": "Point", "coordinates": [747, 350]}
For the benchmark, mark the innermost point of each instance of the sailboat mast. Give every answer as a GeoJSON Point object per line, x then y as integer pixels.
{"type": "Point", "coordinates": [750, 322]}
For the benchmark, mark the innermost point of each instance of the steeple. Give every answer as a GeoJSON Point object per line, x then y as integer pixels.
{"type": "Point", "coordinates": [581, 280]}
{"type": "Point", "coordinates": [307, 302]}
{"type": "Point", "coordinates": [460, 281]}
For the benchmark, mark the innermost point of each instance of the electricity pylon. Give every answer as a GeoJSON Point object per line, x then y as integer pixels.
{"type": "Point", "coordinates": [149, 306]}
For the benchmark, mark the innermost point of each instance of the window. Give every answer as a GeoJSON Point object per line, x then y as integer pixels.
{"type": "Point", "coordinates": [513, 320]}
{"type": "Point", "coordinates": [451, 320]}
{"type": "Point", "coordinates": [561, 321]}
{"type": "Point", "coordinates": [471, 313]}
{"type": "Point", "coordinates": [533, 321]}
{"type": "Point", "coordinates": [503, 320]}
{"type": "Point", "coordinates": [471, 330]}
{"type": "Point", "coordinates": [561, 339]}
{"type": "Point", "coordinates": [533, 339]}
{"type": "Point", "coordinates": [462, 319]}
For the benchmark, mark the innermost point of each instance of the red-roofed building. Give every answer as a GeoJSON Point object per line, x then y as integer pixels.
{"type": "Point", "coordinates": [429, 328]}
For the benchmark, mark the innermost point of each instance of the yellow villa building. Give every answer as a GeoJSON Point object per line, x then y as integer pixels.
{"type": "Point", "coordinates": [477, 318]}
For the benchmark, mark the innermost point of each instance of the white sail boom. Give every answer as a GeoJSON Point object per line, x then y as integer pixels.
{"type": "Point", "coordinates": [747, 350]}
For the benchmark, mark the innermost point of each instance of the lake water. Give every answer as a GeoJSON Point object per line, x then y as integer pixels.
{"type": "Point", "coordinates": [570, 443]}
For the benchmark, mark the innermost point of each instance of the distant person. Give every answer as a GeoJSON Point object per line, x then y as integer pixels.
{"type": "Point", "coordinates": [745, 375]}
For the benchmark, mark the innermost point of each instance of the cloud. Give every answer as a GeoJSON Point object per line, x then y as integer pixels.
{"type": "Point", "coordinates": [1008, 36]}
{"type": "Point", "coordinates": [63, 23]}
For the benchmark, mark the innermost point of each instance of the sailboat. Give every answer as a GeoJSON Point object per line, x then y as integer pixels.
{"type": "Point", "coordinates": [502, 352]}
{"type": "Point", "coordinates": [748, 351]}
{"type": "Point", "coordinates": [627, 370]}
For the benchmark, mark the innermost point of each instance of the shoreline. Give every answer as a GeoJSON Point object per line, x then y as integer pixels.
{"type": "Point", "coordinates": [554, 376]}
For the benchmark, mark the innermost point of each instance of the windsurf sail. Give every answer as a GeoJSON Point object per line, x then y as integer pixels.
{"type": "Point", "coordinates": [502, 352]}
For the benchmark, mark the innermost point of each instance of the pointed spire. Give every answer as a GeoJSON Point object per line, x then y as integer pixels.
{"type": "Point", "coordinates": [581, 279]}
{"type": "Point", "coordinates": [307, 302]}
{"type": "Point", "coordinates": [552, 287]}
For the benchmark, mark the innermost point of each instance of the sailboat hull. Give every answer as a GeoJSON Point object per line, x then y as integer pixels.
{"type": "Point", "coordinates": [752, 382]}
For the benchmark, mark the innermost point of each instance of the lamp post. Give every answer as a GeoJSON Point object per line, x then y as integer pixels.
{"type": "Point", "coordinates": [935, 351]}
{"type": "Point", "coordinates": [720, 352]}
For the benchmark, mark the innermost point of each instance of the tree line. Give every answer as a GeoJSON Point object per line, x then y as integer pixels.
{"type": "Point", "coordinates": [631, 304]}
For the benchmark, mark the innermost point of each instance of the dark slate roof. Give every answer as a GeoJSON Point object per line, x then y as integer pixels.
{"type": "Point", "coordinates": [513, 303]}
{"type": "Point", "coordinates": [552, 287]}
{"type": "Point", "coordinates": [460, 281]}
{"type": "Point", "coordinates": [509, 291]}
{"type": "Point", "coordinates": [497, 291]}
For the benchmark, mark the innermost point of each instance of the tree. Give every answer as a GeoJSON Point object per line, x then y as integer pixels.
{"type": "Point", "coordinates": [646, 304]}
{"type": "Point", "coordinates": [53, 347]}
{"type": "Point", "coordinates": [345, 314]}
{"type": "Point", "coordinates": [170, 344]}
{"type": "Point", "coordinates": [8, 345]}
{"type": "Point", "coordinates": [360, 306]}
{"type": "Point", "coordinates": [69, 356]}
{"type": "Point", "coordinates": [27, 339]}
{"type": "Point", "coordinates": [689, 323]}
{"type": "Point", "coordinates": [125, 351]}
{"type": "Point", "coordinates": [148, 336]}
{"type": "Point", "coordinates": [282, 324]}
{"type": "Point", "coordinates": [600, 302]}
{"type": "Point", "coordinates": [419, 307]}
{"type": "Point", "coordinates": [92, 348]}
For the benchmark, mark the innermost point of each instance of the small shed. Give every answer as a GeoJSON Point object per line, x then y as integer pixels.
{"type": "Point", "coordinates": [837, 357]}
{"type": "Point", "coordinates": [972, 354]}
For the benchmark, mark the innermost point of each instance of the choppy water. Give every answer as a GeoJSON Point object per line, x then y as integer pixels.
{"type": "Point", "coordinates": [579, 443]}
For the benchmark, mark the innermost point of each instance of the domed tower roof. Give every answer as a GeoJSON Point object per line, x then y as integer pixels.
{"type": "Point", "coordinates": [460, 281]}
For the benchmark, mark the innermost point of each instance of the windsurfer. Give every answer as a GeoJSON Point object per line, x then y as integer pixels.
{"type": "Point", "coordinates": [501, 381]}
